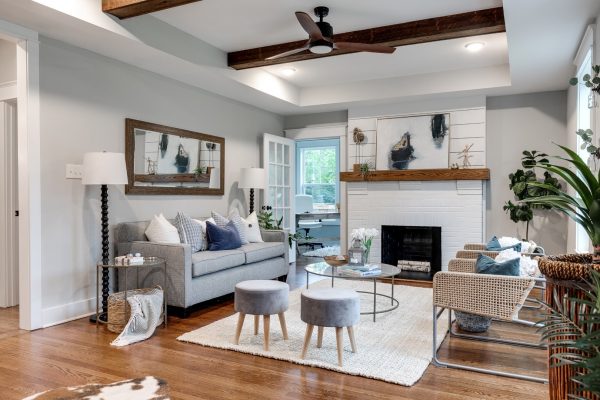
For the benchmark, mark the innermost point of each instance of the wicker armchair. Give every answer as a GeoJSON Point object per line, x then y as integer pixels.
{"type": "Point", "coordinates": [495, 296]}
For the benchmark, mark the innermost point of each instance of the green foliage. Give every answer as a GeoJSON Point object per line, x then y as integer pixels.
{"type": "Point", "coordinates": [320, 174]}
{"type": "Point", "coordinates": [572, 330]}
{"type": "Point", "coordinates": [592, 82]}
{"type": "Point", "coordinates": [267, 221]}
{"type": "Point", "coordinates": [523, 183]}
{"type": "Point", "coordinates": [587, 136]}
{"type": "Point", "coordinates": [584, 207]}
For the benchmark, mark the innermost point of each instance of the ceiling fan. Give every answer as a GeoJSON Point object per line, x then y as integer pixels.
{"type": "Point", "coordinates": [321, 37]}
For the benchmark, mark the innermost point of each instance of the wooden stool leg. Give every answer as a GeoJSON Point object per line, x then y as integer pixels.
{"type": "Point", "coordinates": [283, 325]}
{"type": "Point", "coordinates": [238, 329]}
{"type": "Point", "coordinates": [352, 341]}
{"type": "Point", "coordinates": [340, 344]}
{"type": "Point", "coordinates": [256, 323]}
{"type": "Point", "coordinates": [307, 336]}
{"type": "Point", "coordinates": [267, 327]}
{"type": "Point", "coordinates": [319, 337]}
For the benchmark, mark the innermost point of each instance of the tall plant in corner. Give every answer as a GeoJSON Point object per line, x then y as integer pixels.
{"type": "Point", "coordinates": [584, 206]}
{"type": "Point", "coordinates": [521, 183]}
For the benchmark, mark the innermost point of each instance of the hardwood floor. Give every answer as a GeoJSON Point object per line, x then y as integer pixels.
{"type": "Point", "coordinates": [77, 353]}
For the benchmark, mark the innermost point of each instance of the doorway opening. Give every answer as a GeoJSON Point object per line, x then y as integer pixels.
{"type": "Point", "coordinates": [9, 227]}
{"type": "Point", "coordinates": [317, 199]}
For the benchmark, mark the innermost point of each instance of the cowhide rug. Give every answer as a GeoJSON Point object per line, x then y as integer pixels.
{"type": "Point", "coordinates": [147, 388]}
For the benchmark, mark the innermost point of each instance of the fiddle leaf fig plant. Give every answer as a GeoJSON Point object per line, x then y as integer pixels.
{"type": "Point", "coordinates": [522, 183]}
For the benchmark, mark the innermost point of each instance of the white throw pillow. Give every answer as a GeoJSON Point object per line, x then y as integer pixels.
{"type": "Point", "coordinates": [252, 228]}
{"type": "Point", "coordinates": [204, 237]}
{"type": "Point", "coordinates": [162, 231]}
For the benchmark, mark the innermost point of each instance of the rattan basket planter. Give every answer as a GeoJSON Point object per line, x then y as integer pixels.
{"type": "Point", "coordinates": [119, 310]}
{"type": "Point", "coordinates": [569, 267]}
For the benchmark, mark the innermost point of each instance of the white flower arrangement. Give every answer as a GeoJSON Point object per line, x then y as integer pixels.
{"type": "Point", "coordinates": [365, 236]}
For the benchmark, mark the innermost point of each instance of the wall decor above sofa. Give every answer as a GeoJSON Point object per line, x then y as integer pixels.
{"type": "Point", "coordinates": [165, 160]}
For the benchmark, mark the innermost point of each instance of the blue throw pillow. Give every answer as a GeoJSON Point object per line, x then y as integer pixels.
{"type": "Point", "coordinates": [494, 245]}
{"type": "Point", "coordinates": [487, 265]}
{"type": "Point", "coordinates": [226, 238]}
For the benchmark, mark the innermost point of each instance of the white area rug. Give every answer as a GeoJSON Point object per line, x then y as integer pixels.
{"type": "Point", "coordinates": [396, 348]}
{"type": "Point", "coordinates": [325, 251]}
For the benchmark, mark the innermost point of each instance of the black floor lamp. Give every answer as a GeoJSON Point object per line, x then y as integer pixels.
{"type": "Point", "coordinates": [103, 168]}
{"type": "Point", "coordinates": [252, 178]}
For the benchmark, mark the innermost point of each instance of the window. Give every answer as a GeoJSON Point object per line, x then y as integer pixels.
{"type": "Point", "coordinates": [318, 171]}
{"type": "Point", "coordinates": [584, 121]}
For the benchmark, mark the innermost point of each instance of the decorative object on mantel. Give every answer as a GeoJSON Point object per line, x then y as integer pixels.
{"type": "Point", "coordinates": [413, 142]}
{"type": "Point", "coordinates": [440, 174]}
{"type": "Point", "coordinates": [523, 184]}
{"type": "Point", "coordinates": [147, 388]}
{"type": "Point", "coordinates": [252, 178]}
{"type": "Point", "coordinates": [454, 166]}
{"type": "Point", "coordinates": [165, 160]}
{"type": "Point", "coordinates": [104, 169]}
{"type": "Point", "coordinates": [358, 137]}
{"type": "Point", "coordinates": [464, 154]}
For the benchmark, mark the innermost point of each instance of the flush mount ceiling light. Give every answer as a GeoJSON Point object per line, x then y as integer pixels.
{"type": "Point", "coordinates": [288, 71]}
{"type": "Point", "coordinates": [474, 46]}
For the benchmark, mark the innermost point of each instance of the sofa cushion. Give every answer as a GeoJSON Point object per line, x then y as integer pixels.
{"type": "Point", "coordinates": [256, 252]}
{"type": "Point", "coordinates": [207, 262]}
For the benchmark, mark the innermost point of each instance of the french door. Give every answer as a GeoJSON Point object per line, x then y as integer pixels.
{"type": "Point", "coordinates": [278, 160]}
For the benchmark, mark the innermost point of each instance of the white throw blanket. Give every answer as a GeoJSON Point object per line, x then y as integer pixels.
{"type": "Point", "coordinates": [526, 247]}
{"type": "Point", "coordinates": [146, 315]}
{"type": "Point", "coordinates": [527, 265]}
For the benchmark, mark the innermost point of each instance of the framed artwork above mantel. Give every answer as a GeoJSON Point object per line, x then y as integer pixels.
{"type": "Point", "coordinates": [166, 160]}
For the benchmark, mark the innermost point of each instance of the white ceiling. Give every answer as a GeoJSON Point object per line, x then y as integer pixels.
{"type": "Point", "coordinates": [189, 44]}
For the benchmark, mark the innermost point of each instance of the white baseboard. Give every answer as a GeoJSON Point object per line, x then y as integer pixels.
{"type": "Point", "coordinates": [68, 312]}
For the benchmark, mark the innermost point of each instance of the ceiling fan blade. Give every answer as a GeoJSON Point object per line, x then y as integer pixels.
{"type": "Point", "coordinates": [372, 48]}
{"type": "Point", "coordinates": [289, 53]}
{"type": "Point", "coordinates": [309, 26]}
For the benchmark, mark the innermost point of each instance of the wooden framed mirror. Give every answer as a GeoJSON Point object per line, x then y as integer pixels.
{"type": "Point", "coordinates": [165, 160]}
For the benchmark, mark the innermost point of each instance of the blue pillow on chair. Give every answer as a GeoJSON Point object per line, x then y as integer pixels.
{"type": "Point", "coordinates": [226, 238]}
{"type": "Point", "coordinates": [494, 245]}
{"type": "Point", "coordinates": [487, 265]}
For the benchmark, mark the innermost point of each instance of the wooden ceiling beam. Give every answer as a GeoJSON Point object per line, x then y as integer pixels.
{"type": "Point", "coordinates": [132, 8]}
{"type": "Point", "coordinates": [473, 23]}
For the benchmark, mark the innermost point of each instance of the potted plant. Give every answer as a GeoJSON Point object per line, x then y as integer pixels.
{"type": "Point", "coordinates": [521, 184]}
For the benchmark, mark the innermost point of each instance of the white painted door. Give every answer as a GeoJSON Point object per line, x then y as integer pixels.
{"type": "Point", "coordinates": [278, 160]}
{"type": "Point", "coordinates": [9, 234]}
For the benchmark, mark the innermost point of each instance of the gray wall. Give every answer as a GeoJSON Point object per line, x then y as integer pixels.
{"type": "Point", "coordinates": [85, 99]}
{"type": "Point", "coordinates": [516, 123]}
{"type": "Point", "coordinates": [8, 61]}
{"type": "Point", "coordinates": [304, 120]}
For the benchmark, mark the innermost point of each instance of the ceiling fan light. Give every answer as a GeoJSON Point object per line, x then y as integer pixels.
{"type": "Point", "coordinates": [288, 71]}
{"type": "Point", "coordinates": [321, 47]}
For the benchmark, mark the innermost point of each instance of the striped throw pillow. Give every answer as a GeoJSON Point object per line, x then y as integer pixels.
{"type": "Point", "coordinates": [190, 231]}
{"type": "Point", "coordinates": [234, 217]}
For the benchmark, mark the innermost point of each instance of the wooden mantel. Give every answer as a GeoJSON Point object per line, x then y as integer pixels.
{"type": "Point", "coordinates": [442, 174]}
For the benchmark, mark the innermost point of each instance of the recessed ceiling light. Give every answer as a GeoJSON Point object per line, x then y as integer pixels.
{"type": "Point", "coordinates": [474, 46]}
{"type": "Point", "coordinates": [288, 71]}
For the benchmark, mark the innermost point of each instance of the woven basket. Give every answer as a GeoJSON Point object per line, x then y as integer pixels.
{"type": "Point", "coordinates": [119, 309]}
{"type": "Point", "coordinates": [567, 266]}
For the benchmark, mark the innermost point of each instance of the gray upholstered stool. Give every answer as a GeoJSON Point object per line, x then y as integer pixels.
{"type": "Point", "coordinates": [333, 307]}
{"type": "Point", "coordinates": [261, 297]}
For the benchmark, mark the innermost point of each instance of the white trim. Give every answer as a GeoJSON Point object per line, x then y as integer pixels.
{"type": "Point", "coordinates": [64, 313]}
{"type": "Point", "coordinates": [8, 90]}
{"type": "Point", "coordinates": [317, 132]}
{"type": "Point", "coordinates": [584, 46]}
{"type": "Point", "coordinates": [28, 122]}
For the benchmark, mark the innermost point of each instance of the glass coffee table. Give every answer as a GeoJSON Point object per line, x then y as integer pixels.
{"type": "Point", "coordinates": [387, 271]}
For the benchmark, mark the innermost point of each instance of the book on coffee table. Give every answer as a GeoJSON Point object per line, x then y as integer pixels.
{"type": "Point", "coordinates": [362, 270]}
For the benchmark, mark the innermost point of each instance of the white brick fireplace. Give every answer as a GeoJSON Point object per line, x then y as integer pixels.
{"type": "Point", "coordinates": [458, 207]}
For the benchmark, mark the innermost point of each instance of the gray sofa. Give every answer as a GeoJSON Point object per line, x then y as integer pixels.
{"type": "Point", "coordinates": [193, 278]}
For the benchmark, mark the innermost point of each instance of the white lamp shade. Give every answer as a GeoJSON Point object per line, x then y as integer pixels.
{"type": "Point", "coordinates": [103, 168]}
{"type": "Point", "coordinates": [252, 178]}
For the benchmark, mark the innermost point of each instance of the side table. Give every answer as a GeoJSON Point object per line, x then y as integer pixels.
{"type": "Point", "coordinates": [149, 262]}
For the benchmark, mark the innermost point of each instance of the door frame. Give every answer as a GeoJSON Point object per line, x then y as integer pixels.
{"type": "Point", "coordinates": [325, 132]}
{"type": "Point", "coordinates": [29, 172]}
